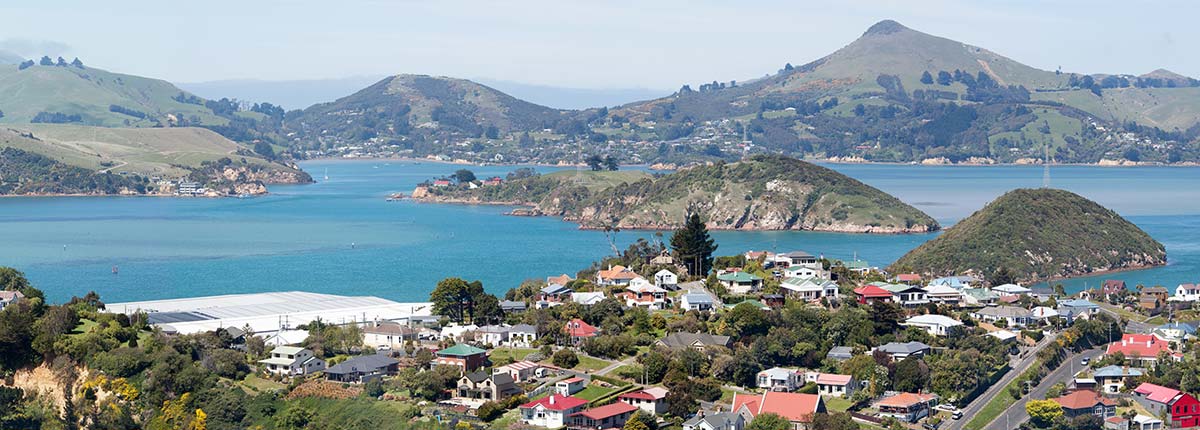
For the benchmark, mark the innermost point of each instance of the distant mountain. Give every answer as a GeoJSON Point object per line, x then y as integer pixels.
{"type": "Point", "coordinates": [291, 94]}
{"type": "Point", "coordinates": [7, 57]}
{"type": "Point", "coordinates": [573, 98]}
{"type": "Point", "coordinates": [760, 193]}
{"type": "Point", "coordinates": [1038, 234]}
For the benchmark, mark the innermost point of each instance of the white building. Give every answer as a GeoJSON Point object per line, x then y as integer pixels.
{"type": "Point", "coordinates": [291, 361]}
{"type": "Point", "coordinates": [779, 379]}
{"type": "Point", "coordinates": [696, 302]}
{"type": "Point", "coordinates": [522, 336]}
{"type": "Point", "coordinates": [937, 325]}
{"type": "Point", "coordinates": [1187, 293]}
{"type": "Point", "coordinates": [551, 411]}
{"type": "Point", "coordinates": [666, 279]}
{"type": "Point", "coordinates": [810, 288]}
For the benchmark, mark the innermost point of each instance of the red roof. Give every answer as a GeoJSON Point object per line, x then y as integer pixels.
{"type": "Point", "coordinates": [1140, 345]}
{"type": "Point", "coordinates": [1157, 393]}
{"type": "Point", "coordinates": [1083, 399]}
{"type": "Point", "coordinates": [609, 410]}
{"type": "Point", "coordinates": [904, 400]}
{"type": "Point", "coordinates": [647, 394]}
{"type": "Point", "coordinates": [578, 328]}
{"type": "Point", "coordinates": [908, 277]}
{"type": "Point", "coordinates": [871, 291]}
{"type": "Point", "coordinates": [833, 379]}
{"type": "Point", "coordinates": [792, 406]}
{"type": "Point", "coordinates": [556, 402]}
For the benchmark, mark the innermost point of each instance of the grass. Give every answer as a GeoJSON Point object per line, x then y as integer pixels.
{"type": "Point", "coordinates": [593, 392]}
{"type": "Point", "coordinates": [599, 180]}
{"type": "Point", "coordinates": [356, 413]}
{"type": "Point", "coordinates": [993, 408]}
{"type": "Point", "coordinates": [514, 354]}
{"type": "Point", "coordinates": [1060, 126]}
{"type": "Point", "coordinates": [85, 325]}
{"type": "Point", "coordinates": [255, 384]}
{"type": "Point", "coordinates": [591, 363]}
{"type": "Point", "coordinates": [726, 395]}
{"type": "Point", "coordinates": [838, 404]}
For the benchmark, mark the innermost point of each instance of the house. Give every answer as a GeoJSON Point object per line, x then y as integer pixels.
{"type": "Point", "coordinates": [899, 351]}
{"type": "Point", "coordinates": [798, 409]}
{"type": "Point", "coordinates": [696, 302]}
{"type": "Point", "coordinates": [653, 400]}
{"type": "Point", "coordinates": [189, 187]}
{"type": "Point", "coordinates": [1142, 349]}
{"type": "Point", "coordinates": [698, 341]}
{"type": "Point", "coordinates": [554, 293]}
{"type": "Point", "coordinates": [1158, 291]}
{"type": "Point", "coordinates": [569, 386]}
{"type": "Point", "coordinates": [10, 297]}
{"type": "Point", "coordinates": [1112, 288]}
{"type": "Point", "coordinates": [830, 384]}
{"type": "Point", "coordinates": [779, 379]}
{"type": "Point", "coordinates": [641, 292]}
{"type": "Point", "coordinates": [906, 407]}
{"type": "Point", "coordinates": [1182, 408]}
{"type": "Point", "coordinates": [363, 368]}
{"type": "Point", "coordinates": [441, 183]}
{"type": "Point", "coordinates": [1042, 293]}
{"type": "Point", "coordinates": [562, 279]}
{"type": "Point", "coordinates": [715, 421]}
{"type": "Point", "coordinates": [840, 353]}
{"type": "Point", "coordinates": [1086, 402]}
{"type": "Point", "coordinates": [955, 282]}
{"type": "Point", "coordinates": [869, 294]}
{"type": "Point", "coordinates": [664, 258]}
{"type": "Point", "coordinates": [809, 288]}
{"type": "Point", "coordinates": [291, 361]}
{"type": "Point", "coordinates": [937, 325]}
{"type": "Point", "coordinates": [1011, 315]}
{"type": "Point", "coordinates": [1042, 313]}
{"type": "Point", "coordinates": [578, 330]}
{"type": "Point", "coordinates": [493, 181]}
{"type": "Point", "coordinates": [1175, 333]}
{"type": "Point", "coordinates": [943, 294]}
{"type": "Point", "coordinates": [610, 416]}
{"type": "Point", "coordinates": [1004, 336]}
{"type": "Point", "coordinates": [519, 371]}
{"type": "Point", "coordinates": [1113, 379]}
{"type": "Point", "coordinates": [456, 332]}
{"type": "Point", "coordinates": [1139, 422]}
{"type": "Point", "coordinates": [615, 276]}
{"type": "Point", "coordinates": [551, 411]}
{"type": "Point", "coordinates": [857, 266]}
{"type": "Point", "coordinates": [462, 355]}
{"type": "Point", "coordinates": [774, 301]}
{"type": "Point", "coordinates": [1077, 308]}
{"type": "Point", "coordinates": [1011, 289]}
{"type": "Point", "coordinates": [588, 299]}
{"type": "Point", "coordinates": [1150, 303]}
{"type": "Point", "coordinates": [740, 282]}
{"type": "Point", "coordinates": [801, 258]}
{"type": "Point", "coordinates": [979, 297]}
{"type": "Point", "coordinates": [907, 295]}
{"type": "Point", "coordinates": [512, 306]}
{"type": "Point", "coordinates": [908, 278]}
{"type": "Point", "coordinates": [522, 336]}
{"type": "Point", "coordinates": [1187, 293]}
{"type": "Point", "coordinates": [483, 386]}
{"type": "Point", "coordinates": [666, 280]}
{"type": "Point", "coordinates": [492, 335]}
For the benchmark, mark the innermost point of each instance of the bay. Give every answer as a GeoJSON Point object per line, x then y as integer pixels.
{"type": "Point", "coordinates": [342, 237]}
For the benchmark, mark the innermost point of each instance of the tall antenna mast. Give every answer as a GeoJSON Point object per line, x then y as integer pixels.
{"type": "Point", "coordinates": [1046, 165]}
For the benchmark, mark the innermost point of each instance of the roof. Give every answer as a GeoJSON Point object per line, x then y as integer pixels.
{"type": "Point", "coordinates": [652, 393]}
{"type": "Point", "coordinates": [578, 328]}
{"type": "Point", "coordinates": [1139, 345]}
{"type": "Point", "coordinates": [1117, 372]}
{"type": "Point", "coordinates": [556, 402]}
{"type": "Point", "coordinates": [520, 365]}
{"type": "Point", "coordinates": [906, 347]}
{"type": "Point", "coordinates": [1011, 289]}
{"type": "Point", "coordinates": [698, 298]}
{"type": "Point", "coordinates": [1004, 312]}
{"type": "Point", "coordinates": [871, 291]}
{"type": "Point", "coordinates": [1002, 335]}
{"type": "Point", "coordinates": [1083, 399]}
{"type": "Point", "coordinates": [10, 295]}
{"type": "Point", "coordinates": [617, 272]}
{"type": "Point", "coordinates": [904, 400]}
{"type": "Point", "coordinates": [750, 302]}
{"type": "Point", "coordinates": [908, 277]}
{"type": "Point", "coordinates": [461, 350]}
{"type": "Point", "coordinates": [840, 352]}
{"type": "Point", "coordinates": [562, 279]}
{"type": "Point", "coordinates": [555, 289]}
{"type": "Point", "coordinates": [941, 290]}
{"type": "Point", "coordinates": [512, 304]}
{"type": "Point", "coordinates": [778, 372]}
{"type": "Point", "coordinates": [289, 350]}
{"type": "Point", "coordinates": [738, 277]}
{"type": "Point", "coordinates": [979, 293]}
{"type": "Point", "coordinates": [362, 363]}
{"type": "Point", "coordinates": [714, 420]}
{"type": "Point", "coordinates": [572, 380]}
{"type": "Point", "coordinates": [493, 329]}
{"type": "Point", "coordinates": [833, 379]}
{"type": "Point", "coordinates": [934, 319]}
{"type": "Point", "coordinates": [1078, 303]}
{"type": "Point", "coordinates": [1157, 393]}
{"type": "Point", "coordinates": [1043, 312]}
{"type": "Point", "coordinates": [799, 254]}
{"type": "Point", "coordinates": [606, 411]}
{"type": "Point", "coordinates": [523, 328]}
{"type": "Point", "coordinates": [686, 340]}
{"type": "Point", "coordinates": [1155, 289]}
{"type": "Point", "coordinates": [807, 284]}
{"type": "Point", "coordinates": [590, 298]}
{"type": "Point", "coordinates": [390, 328]}
{"type": "Point", "coordinates": [792, 406]}
{"type": "Point", "coordinates": [1183, 327]}
{"type": "Point", "coordinates": [952, 281]}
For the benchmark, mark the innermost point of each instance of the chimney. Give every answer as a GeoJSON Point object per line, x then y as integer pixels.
{"type": "Point", "coordinates": [552, 399]}
{"type": "Point", "coordinates": [1147, 343]}
{"type": "Point", "coordinates": [1122, 342]}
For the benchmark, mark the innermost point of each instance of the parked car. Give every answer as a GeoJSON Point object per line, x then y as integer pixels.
{"type": "Point", "coordinates": [1085, 361]}
{"type": "Point", "coordinates": [957, 415]}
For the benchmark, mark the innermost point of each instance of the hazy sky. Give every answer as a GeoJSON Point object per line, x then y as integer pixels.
{"type": "Point", "coordinates": [589, 43]}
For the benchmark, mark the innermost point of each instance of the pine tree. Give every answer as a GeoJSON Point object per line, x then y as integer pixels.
{"type": "Point", "coordinates": [926, 78]}
{"type": "Point", "coordinates": [693, 247]}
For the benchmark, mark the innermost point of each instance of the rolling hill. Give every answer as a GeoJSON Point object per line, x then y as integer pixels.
{"type": "Point", "coordinates": [1039, 234]}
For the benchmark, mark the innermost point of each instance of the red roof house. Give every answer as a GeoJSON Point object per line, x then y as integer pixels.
{"type": "Point", "coordinates": [1184, 410]}
{"type": "Point", "coordinates": [552, 411]}
{"type": "Point", "coordinates": [579, 330]}
{"type": "Point", "coordinates": [1142, 348]}
{"type": "Point", "coordinates": [1085, 402]}
{"type": "Point", "coordinates": [441, 183]}
{"type": "Point", "coordinates": [871, 294]}
{"type": "Point", "coordinates": [795, 407]}
{"type": "Point", "coordinates": [908, 278]}
{"type": "Point", "coordinates": [612, 415]}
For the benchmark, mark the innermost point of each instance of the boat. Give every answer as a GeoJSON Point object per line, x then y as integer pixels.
{"type": "Point", "coordinates": [114, 270]}
{"type": "Point", "coordinates": [326, 173]}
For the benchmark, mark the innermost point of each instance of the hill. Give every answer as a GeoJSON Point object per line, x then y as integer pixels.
{"type": "Point", "coordinates": [1040, 234]}
{"type": "Point", "coordinates": [760, 193]}
{"type": "Point", "coordinates": [28, 173]}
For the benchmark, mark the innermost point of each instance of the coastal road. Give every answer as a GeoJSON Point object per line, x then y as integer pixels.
{"type": "Point", "coordinates": [998, 388]}
{"type": "Point", "coordinates": [1015, 414]}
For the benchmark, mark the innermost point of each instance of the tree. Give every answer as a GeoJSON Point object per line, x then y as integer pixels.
{"type": "Point", "coordinates": [911, 375]}
{"type": "Point", "coordinates": [454, 298]}
{"type": "Point", "coordinates": [595, 162]}
{"type": "Point", "coordinates": [296, 417]}
{"type": "Point", "coordinates": [1043, 412]}
{"type": "Point", "coordinates": [834, 421]}
{"type": "Point", "coordinates": [463, 176]}
{"type": "Point", "coordinates": [264, 149]}
{"type": "Point", "coordinates": [769, 421]}
{"type": "Point", "coordinates": [46, 61]}
{"type": "Point", "coordinates": [77, 63]}
{"type": "Point", "coordinates": [647, 420]}
{"type": "Point", "coordinates": [492, 132]}
{"type": "Point", "coordinates": [565, 358]}
{"type": "Point", "coordinates": [489, 411]}
{"type": "Point", "coordinates": [610, 163]}
{"type": "Point", "coordinates": [926, 78]}
{"type": "Point", "coordinates": [693, 246]}
{"type": "Point", "coordinates": [680, 403]}
{"type": "Point", "coordinates": [635, 425]}
{"type": "Point", "coordinates": [944, 78]}
{"type": "Point", "coordinates": [1002, 275]}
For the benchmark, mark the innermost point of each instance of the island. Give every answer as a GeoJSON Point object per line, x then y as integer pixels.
{"type": "Point", "coordinates": [763, 192]}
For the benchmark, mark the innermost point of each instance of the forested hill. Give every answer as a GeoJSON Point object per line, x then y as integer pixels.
{"type": "Point", "coordinates": [761, 193]}
{"type": "Point", "coordinates": [27, 173]}
{"type": "Point", "coordinates": [1038, 234]}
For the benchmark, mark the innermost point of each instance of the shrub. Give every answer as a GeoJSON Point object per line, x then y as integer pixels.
{"type": "Point", "coordinates": [565, 358]}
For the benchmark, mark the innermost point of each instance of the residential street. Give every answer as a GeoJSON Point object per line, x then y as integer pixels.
{"type": "Point", "coordinates": [1017, 368]}
{"type": "Point", "coordinates": [1016, 413]}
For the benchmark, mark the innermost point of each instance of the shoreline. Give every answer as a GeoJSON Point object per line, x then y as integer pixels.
{"type": "Point", "coordinates": [809, 160]}
{"type": "Point", "coordinates": [1049, 281]}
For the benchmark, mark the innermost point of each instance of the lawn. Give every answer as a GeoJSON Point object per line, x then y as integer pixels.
{"type": "Point", "coordinates": [593, 392]}
{"type": "Point", "coordinates": [837, 404]}
{"type": "Point", "coordinates": [85, 325]}
{"type": "Point", "coordinates": [255, 384]}
{"type": "Point", "coordinates": [514, 354]}
{"type": "Point", "coordinates": [993, 408]}
{"type": "Point", "coordinates": [591, 363]}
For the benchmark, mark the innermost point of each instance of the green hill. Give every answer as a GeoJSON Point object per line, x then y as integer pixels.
{"type": "Point", "coordinates": [1040, 234]}
{"type": "Point", "coordinates": [760, 193]}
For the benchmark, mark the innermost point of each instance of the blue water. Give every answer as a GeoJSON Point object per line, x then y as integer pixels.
{"type": "Point", "coordinates": [340, 236]}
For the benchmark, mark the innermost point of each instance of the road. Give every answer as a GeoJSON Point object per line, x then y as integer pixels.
{"type": "Point", "coordinates": [1015, 414]}
{"type": "Point", "coordinates": [1018, 368]}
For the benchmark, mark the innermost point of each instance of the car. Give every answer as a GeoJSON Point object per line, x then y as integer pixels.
{"type": "Point", "coordinates": [929, 426]}
{"type": "Point", "coordinates": [956, 415]}
{"type": "Point", "coordinates": [1085, 361]}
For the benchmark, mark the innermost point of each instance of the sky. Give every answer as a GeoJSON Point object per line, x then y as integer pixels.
{"type": "Point", "coordinates": [656, 44]}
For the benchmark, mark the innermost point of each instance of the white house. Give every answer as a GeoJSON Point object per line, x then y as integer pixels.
{"type": "Point", "coordinates": [641, 292]}
{"type": "Point", "coordinates": [10, 297]}
{"type": "Point", "coordinates": [569, 386]}
{"type": "Point", "coordinates": [715, 421]}
{"type": "Point", "coordinates": [665, 279]}
{"type": "Point", "coordinates": [779, 379]}
{"type": "Point", "coordinates": [456, 332]}
{"type": "Point", "coordinates": [1014, 316]}
{"type": "Point", "coordinates": [520, 371]}
{"type": "Point", "coordinates": [1187, 293]}
{"type": "Point", "coordinates": [810, 288]}
{"type": "Point", "coordinates": [652, 400]}
{"type": "Point", "coordinates": [834, 385]}
{"type": "Point", "coordinates": [803, 272]}
{"type": "Point", "coordinates": [907, 295]}
{"type": "Point", "coordinates": [522, 336]}
{"type": "Point", "coordinates": [696, 302]}
{"type": "Point", "coordinates": [588, 299]}
{"type": "Point", "coordinates": [1011, 289]}
{"type": "Point", "coordinates": [390, 335]}
{"type": "Point", "coordinates": [937, 325]}
{"type": "Point", "coordinates": [943, 294]}
{"type": "Point", "coordinates": [292, 360]}
{"type": "Point", "coordinates": [551, 411]}
{"type": "Point", "coordinates": [492, 335]}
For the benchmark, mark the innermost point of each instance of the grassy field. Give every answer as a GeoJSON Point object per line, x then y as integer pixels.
{"type": "Point", "coordinates": [591, 363]}
{"type": "Point", "coordinates": [148, 151]}
{"type": "Point", "coordinates": [593, 392]}
{"type": "Point", "coordinates": [514, 354]}
{"type": "Point", "coordinates": [601, 179]}
{"type": "Point", "coordinates": [255, 384]}
{"type": "Point", "coordinates": [838, 404]}
{"type": "Point", "coordinates": [992, 409]}
{"type": "Point", "coordinates": [1060, 126]}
